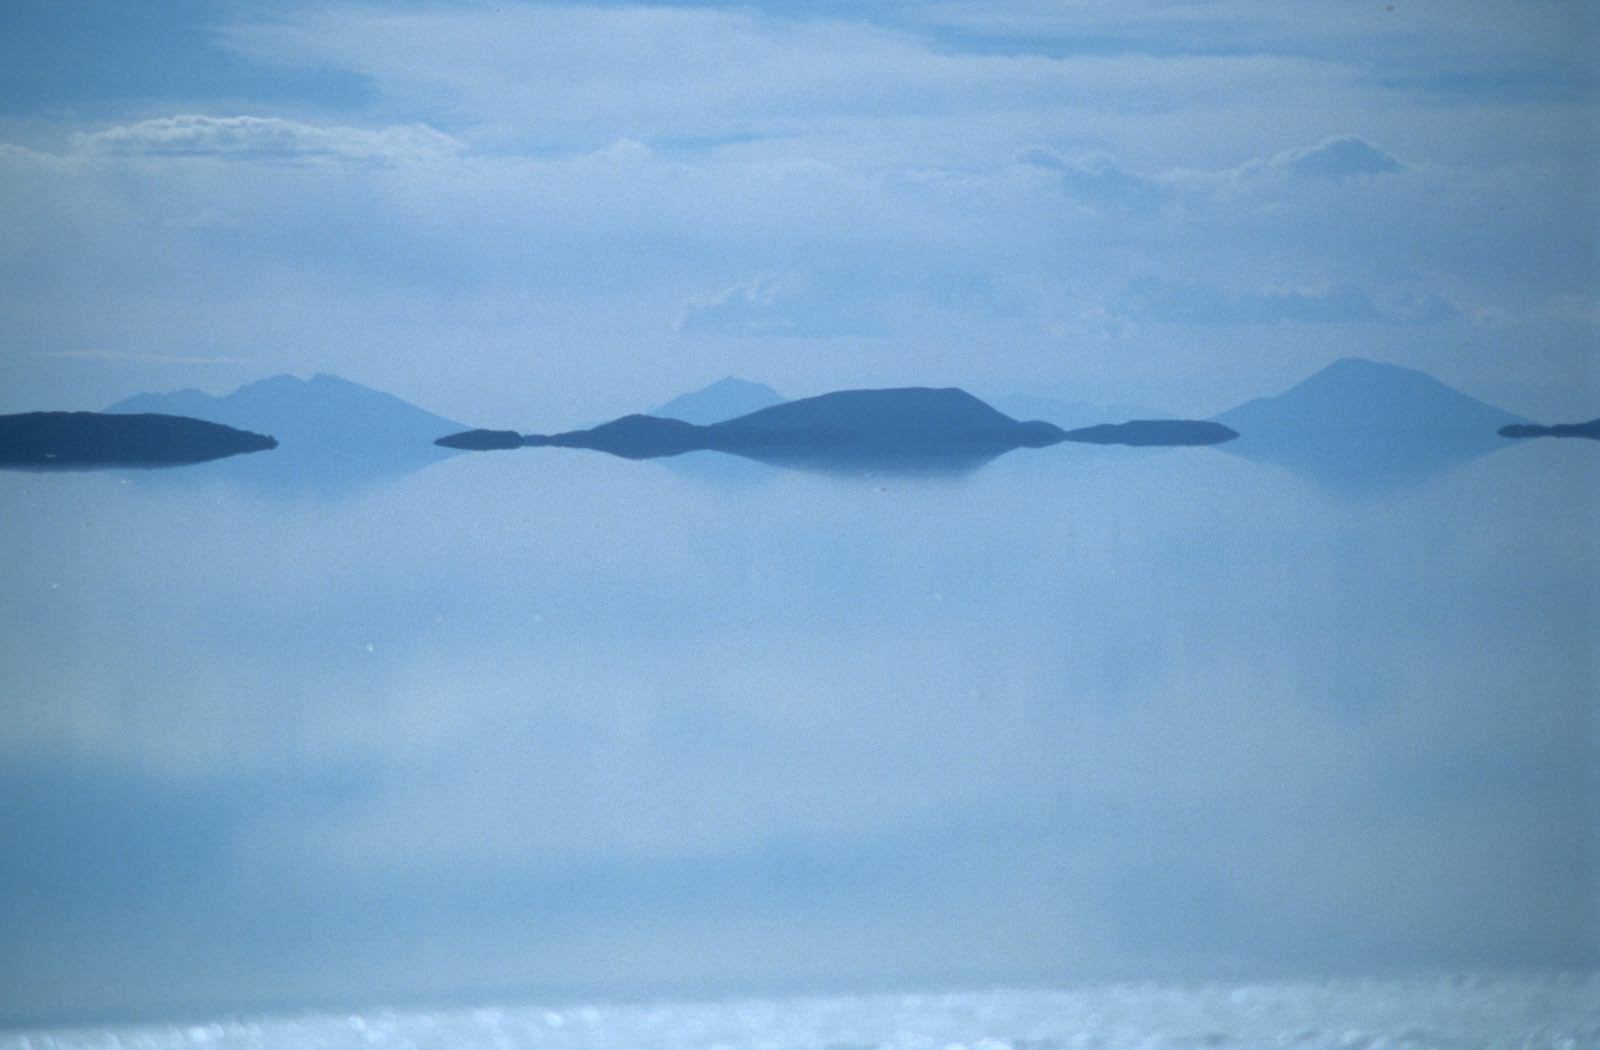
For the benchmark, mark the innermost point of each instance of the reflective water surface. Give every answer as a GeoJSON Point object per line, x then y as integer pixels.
{"type": "Point", "coordinates": [555, 723]}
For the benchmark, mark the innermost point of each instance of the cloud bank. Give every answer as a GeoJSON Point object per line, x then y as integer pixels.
{"type": "Point", "coordinates": [560, 197]}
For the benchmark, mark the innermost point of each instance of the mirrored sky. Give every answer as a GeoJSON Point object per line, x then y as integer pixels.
{"type": "Point", "coordinates": [553, 724]}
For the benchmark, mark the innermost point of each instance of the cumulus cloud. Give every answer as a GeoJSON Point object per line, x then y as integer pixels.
{"type": "Point", "coordinates": [1347, 156]}
{"type": "Point", "coordinates": [793, 307]}
{"type": "Point", "coordinates": [982, 197]}
{"type": "Point", "coordinates": [267, 138]}
{"type": "Point", "coordinates": [137, 357]}
{"type": "Point", "coordinates": [1096, 179]}
{"type": "Point", "coordinates": [543, 75]}
{"type": "Point", "coordinates": [1155, 300]}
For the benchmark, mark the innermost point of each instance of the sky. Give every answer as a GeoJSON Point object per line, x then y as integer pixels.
{"type": "Point", "coordinates": [538, 214]}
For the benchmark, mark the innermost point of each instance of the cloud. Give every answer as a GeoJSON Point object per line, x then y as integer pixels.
{"type": "Point", "coordinates": [1162, 302]}
{"type": "Point", "coordinates": [764, 307]}
{"type": "Point", "coordinates": [1337, 158]}
{"type": "Point", "coordinates": [134, 357]}
{"type": "Point", "coordinates": [553, 75]}
{"type": "Point", "coordinates": [984, 189]}
{"type": "Point", "coordinates": [1096, 178]}
{"type": "Point", "coordinates": [266, 139]}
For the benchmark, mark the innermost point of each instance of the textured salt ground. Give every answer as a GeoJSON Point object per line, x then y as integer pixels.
{"type": "Point", "coordinates": [1450, 1013]}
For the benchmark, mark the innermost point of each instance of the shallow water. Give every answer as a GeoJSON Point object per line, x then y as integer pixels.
{"type": "Point", "coordinates": [577, 726]}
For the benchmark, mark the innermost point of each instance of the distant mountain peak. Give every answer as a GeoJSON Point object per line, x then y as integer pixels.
{"type": "Point", "coordinates": [1355, 392]}
{"type": "Point", "coordinates": [1363, 425]}
{"type": "Point", "coordinates": [325, 410]}
{"type": "Point", "coordinates": [725, 399]}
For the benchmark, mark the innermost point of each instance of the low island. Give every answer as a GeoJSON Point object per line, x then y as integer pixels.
{"type": "Point", "coordinates": [901, 426]}
{"type": "Point", "coordinates": [83, 439]}
{"type": "Point", "coordinates": [1589, 430]}
{"type": "Point", "coordinates": [1154, 432]}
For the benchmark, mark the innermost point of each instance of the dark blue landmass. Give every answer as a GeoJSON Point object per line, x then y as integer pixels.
{"type": "Point", "coordinates": [908, 429]}
{"type": "Point", "coordinates": [848, 428]}
{"type": "Point", "coordinates": [1167, 432]}
{"type": "Point", "coordinates": [481, 440]}
{"type": "Point", "coordinates": [89, 439]}
{"type": "Point", "coordinates": [1589, 430]}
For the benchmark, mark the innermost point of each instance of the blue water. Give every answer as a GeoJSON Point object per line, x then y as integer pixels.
{"type": "Point", "coordinates": [550, 725]}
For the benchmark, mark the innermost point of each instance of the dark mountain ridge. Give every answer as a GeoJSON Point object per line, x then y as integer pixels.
{"type": "Point", "coordinates": [909, 428]}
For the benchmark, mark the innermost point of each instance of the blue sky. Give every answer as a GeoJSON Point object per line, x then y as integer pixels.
{"type": "Point", "coordinates": [538, 214]}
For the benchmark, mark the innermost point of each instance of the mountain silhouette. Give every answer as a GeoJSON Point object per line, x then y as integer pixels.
{"type": "Point", "coordinates": [335, 434]}
{"type": "Point", "coordinates": [481, 440]}
{"type": "Point", "coordinates": [908, 429]}
{"type": "Point", "coordinates": [1154, 432]}
{"type": "Point", "coordinates": [723, 400]}
{"type": "Point", "coordinates": [88, 439]}
{"type": "Point", "coordinates": [1589, 430]}
{"type": "Point", "coordinates": [325, 411]}
{"type": "Point", "coordinates": [904, 430]}
{"type": "Point", "coordinates": [1359, 426]}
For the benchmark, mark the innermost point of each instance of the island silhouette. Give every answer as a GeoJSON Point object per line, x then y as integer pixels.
{"type": "Point", "coordinates": [905, 428]}
{"type": "Point", "coordinates": [90, 439]}
{"type": "Point", "coordinates": [1360, 427]}
{"type": "Point", "coordinates": [1357, 426]}
{"type": "Point", "coordinates": [1590, 430]}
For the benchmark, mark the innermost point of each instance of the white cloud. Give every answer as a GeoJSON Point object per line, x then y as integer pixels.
{"type": "Point", "coordinates": [547, 75]}
{"type": "Point", "coordinates": [793, 307]}
{"type": "Point", "coordinates": [1151, 299]}
{"type": "Point", "coordinates": [1096, 178]}
{"type": "Point", "coordinates": [137, 357]}
{"type": "Point", "coordinates": [637, 190]}
{"type": "Point", "coordinates": [266, 139]}
{"type": "Point", "coordinates": [1347, 156]}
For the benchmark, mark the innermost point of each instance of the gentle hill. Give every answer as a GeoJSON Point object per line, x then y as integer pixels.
{"type": "Point", "coordinates": [325, 411]}
{"type": "Point", "coordinates": [82, 439]}
{"type": "Point", "coordinates": [1359, 426]}
{"type": "Point", "coordinates": [904, 418]}
{"type": "Point", "coordinates": [723, 400]}
{"type": "Point", "coordinates": [1589, 430]}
